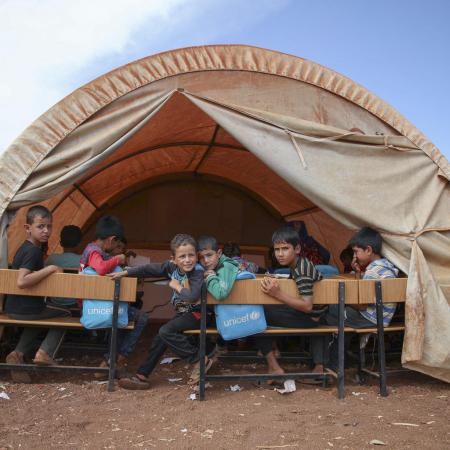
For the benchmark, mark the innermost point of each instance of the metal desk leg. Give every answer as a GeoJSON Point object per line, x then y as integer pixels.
{"type": "Point", "coordinates": [113, 348]}
{"type": "Point", "coordinates": [341, 337]}
{"type": "Point", "coordinates": [202, 353]}
{"type": "Point", "coordinates": [380, 328]}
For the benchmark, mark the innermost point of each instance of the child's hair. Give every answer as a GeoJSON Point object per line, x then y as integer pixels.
{"type": "Point", "coordinates": [346, 254]}
{"type": "Point", "coordinates": [182, 239]}
{"type": "Point", "coordinates": [367, 236]}
{"type": "Point", "coordinates": [70, 236]}
{"type": "Point", "coordinates": [207, 243]}
{"type": "Point", "coordinates": [231, 249]}
{"type": "Point", "coordinates": [286, 234]}
{"type": "Point", "coordinates": [109, 226]}
{"type": "Point", "coordinates": [38, 210]}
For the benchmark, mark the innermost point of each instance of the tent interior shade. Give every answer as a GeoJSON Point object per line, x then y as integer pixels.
{"type": "Point", "coordinates": [284, 137]}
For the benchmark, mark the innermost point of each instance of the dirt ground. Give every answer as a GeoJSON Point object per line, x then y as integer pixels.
{"type": "Point", "coordinates": [74, 411]}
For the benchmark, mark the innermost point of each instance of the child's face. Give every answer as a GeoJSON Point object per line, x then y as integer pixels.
{"type": "Point", "coordinates": [209, 258]}
{"type": "Point", "coordinates": [363, 256]}
{"type": "Point", "coordinates": [110, 245]}
{"type": "Point", "coordinates": [40, 230]}
{"type": "Point", "coordinates": [185, 257]}
{"type": "Point", "coordinates": [286, 253]}
{"type": "Point", "coordinates": [119, 249]}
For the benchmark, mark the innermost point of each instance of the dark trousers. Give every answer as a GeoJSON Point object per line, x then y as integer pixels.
{"type": "Point", "coordinates": [170, 335]}
{"type": "Point", "coordinates": [352, 318]}
{"type": "Point", "coordinates": [54, 337]}
{"type": "Point", "coordinates": [285, 316]}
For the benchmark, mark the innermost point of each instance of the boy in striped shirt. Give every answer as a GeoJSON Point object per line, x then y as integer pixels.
{"type": "Point", "coordinates": [368, 264]}
{"type": "Point", "coordinates": [293, 312]}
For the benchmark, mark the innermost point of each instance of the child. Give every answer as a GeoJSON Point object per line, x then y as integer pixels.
{"type": "Point", "coordinates": [346, 258]}
{"type": "Point", "coordinates": [108, 236]}
{"type": "Point", "coordinates": [296, 312]}
{"type": "Point", "coordinates": [366, 245]}
{"type": "Point", "coordinates": [220, 271]}
{"type": "Point", "coordinates": [29, 261]}
{"type": "Point", "coordinates": [220, 275]}
{"type": "Point", "coordinates": [127, 340]}
{"type": "Point", "coordinates": [233, 251]}
{"type": "Point", "coordinates": [70, 238]}
{"type": "Point", "coordinates": [186, 280]}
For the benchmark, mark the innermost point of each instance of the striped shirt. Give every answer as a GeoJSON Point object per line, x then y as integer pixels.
{"type": "Point", "coordinates": [305, 275]}
{"type": "Point", "coordinates": [381, 268]}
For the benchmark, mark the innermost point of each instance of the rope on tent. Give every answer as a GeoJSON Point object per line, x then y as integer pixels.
{"type": "Point", "coordinates": [297, 148]}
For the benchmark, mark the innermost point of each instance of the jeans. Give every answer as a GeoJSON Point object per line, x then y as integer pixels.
{"type": "Point", "coordinates": [352, 318]}
{"type": "Point", "coordinates": [127, 340]}
{"type": "Point", "coordinates": [54, 336]}
{"type": "Point", "coordinates": [285, 316]}
{"type": "Point", "coordinates": [170, 335]}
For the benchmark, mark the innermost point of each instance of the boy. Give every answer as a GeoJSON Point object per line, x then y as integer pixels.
{"type": "Point", "coordinates": [29, 261]}
{"type": "Point", "coordinates": [220, 275]}
{"type": "Point", "coordinates": [70, 238]}
{"type": "Point", "coordinates": [127, 340]}
{"type": "Point", "coordinates": [186, 280]}
{"type": "Point", "coordinates": [366, 245]}
{"type": "Point", "coordinates": [108, 236]}
{"type": "Point", "coordinates": [296, 311]}
{"type": "Point", "coordinates": [220, 271]}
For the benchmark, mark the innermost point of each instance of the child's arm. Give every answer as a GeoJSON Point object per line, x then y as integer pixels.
{"type": "Point", "coordinates": [271, 286]}
{"type": "Point", "coordinates": [192, 293]}
{"type": "Point", "coordinates": [219, 285]}
{"type": "Point", "coordinates": [27, 278]}
{"type": "Point", "coordinates": [102, 266]}
{"type": "Point", "coordinates": [145, 271]}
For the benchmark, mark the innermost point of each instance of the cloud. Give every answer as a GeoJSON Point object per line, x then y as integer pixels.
{"type": "Point", "coordinates": [45, 44]}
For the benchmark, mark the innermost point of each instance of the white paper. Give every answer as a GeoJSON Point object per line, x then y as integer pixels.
{"type": "Point", "coordinates": [174, 380]}
{"type": "Point", "coordinates": [235, 388]}
{"type": "Point", "coordinates": [169, 360]}
{"type": "Point", "coordinates": [4, 395]}
{"type": "Point", "coordinates": [289, 386]}
{"type": "Point", "coordinates": [193, 396]}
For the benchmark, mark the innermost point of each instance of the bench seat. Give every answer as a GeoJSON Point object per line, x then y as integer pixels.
{"type": "Point", "coordinates": [283, 331]}
{"type": "Point", "coordinates": [54, 322]}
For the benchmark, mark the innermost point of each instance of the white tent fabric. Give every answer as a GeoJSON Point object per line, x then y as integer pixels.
{"type": "Point", "coordinates": [291, 126]}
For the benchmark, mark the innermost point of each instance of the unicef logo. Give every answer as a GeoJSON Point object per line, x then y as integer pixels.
{"type": "Point", "coordinates": [254, 315]}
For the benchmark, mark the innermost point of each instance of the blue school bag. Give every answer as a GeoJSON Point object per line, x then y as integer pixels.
{"type": "Point", "coordinates": [239, 321]}
{"type": "Point", "coordinates": [98, 313]}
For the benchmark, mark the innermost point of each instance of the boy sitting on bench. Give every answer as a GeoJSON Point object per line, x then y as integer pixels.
{"type": "Point", "coordinates": [367, 259]}
{"type": "Point", "coordinates": [186, 280]}
{"type": "Point", "coordinates": [295, 312]}
{"type": "Point", "coordinates": [29, 261]}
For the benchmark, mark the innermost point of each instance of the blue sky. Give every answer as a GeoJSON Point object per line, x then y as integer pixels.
{"type": "Point", "coordinates": [397, 49]}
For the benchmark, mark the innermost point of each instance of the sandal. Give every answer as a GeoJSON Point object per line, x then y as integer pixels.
{"type": "Point", "coordinates": [134, 383]}
{"type": "Point", "coordinates": [195, 374]}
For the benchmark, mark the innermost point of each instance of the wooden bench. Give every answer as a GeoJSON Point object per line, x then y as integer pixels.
{"type": "Point", "coordinates": [326, 292]}
{"type": "Point", "coordinates": [391, 290]}
{"type": "Point", "coordinates": [70, 285]}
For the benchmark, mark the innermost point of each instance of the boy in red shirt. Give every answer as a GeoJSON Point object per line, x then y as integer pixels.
{"type": "Point", "coordinates": [108, 235]}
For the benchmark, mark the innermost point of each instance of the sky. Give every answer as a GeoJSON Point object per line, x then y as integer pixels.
{"type": "Point", "coordinates": [399, 50]}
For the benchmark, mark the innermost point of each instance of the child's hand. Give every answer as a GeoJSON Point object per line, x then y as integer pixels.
{"type": "Point", "coordinates": [175, 285]}
{"type": "Point", "coordinates": [53, 269]}
{"type": "Point", "coordinates": [271, 286]}
{"type": "Point", "coordinates": [122, 259]}
{"type": "Point", "coordinates": [208, 273]}
{"type": "Point", "coordinates": [117, 275]}
{"type": "Point", "coordinates": [355, 265]}
{"type": "Point", "coordinates": [130, 253]}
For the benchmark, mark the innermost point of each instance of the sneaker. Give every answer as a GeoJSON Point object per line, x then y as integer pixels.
{"type": "Point", "coordinates": [18, 376]}
{"type": "Point", "coordinates": [42, 358]}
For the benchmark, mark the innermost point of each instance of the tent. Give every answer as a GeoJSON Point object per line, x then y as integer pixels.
{"type": "Point", "coordinates": [270, 137]}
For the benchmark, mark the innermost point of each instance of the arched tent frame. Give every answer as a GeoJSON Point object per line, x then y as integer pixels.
{"type": "Point", "coordinates": [321, 134]}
